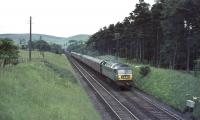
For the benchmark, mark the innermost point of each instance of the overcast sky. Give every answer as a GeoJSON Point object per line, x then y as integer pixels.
{"type": "Point", "coordinates": [62, 17]}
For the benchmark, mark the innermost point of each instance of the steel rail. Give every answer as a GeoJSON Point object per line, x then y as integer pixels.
{"type": "Point", "coordinates": [175, 116]}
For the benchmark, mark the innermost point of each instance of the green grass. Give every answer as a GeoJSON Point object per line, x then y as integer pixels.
{"type": "Point", "coordinates": [36, 91]}
{"type": "Point", "coordinates": [25, 54]}
{"type": "Point", "coordinates": [170, 86]}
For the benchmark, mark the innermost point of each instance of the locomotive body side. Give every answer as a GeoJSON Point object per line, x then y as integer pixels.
{"type": "Point", "coordinates": [108, 71]}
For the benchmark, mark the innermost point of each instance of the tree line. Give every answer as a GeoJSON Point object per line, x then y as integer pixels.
{"type": "Point", "coordinates": [166, 34]}
{"type": "Point", "coordinates": [41, 45]}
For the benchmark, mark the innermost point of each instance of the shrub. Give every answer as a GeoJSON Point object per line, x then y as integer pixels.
{"type": "Point", "coordinates": [8, 52]}
{"type": "Point", "coordinates": [144, 70]}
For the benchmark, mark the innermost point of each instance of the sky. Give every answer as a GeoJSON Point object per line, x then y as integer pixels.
{"type": "Point", "coordinates": [62, 18]}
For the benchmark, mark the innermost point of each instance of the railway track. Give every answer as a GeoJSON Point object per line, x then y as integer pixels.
{"type": "Point", "coordinates": [146, 108]}
{"type": "Point", "coordinates": [120, 111]}
{"type": "Point", "coordinates": [157, 109]}
{"type": "Point", "coordinates": [127, 105]}
{"type": "Point", "coordinates": [146, 105]}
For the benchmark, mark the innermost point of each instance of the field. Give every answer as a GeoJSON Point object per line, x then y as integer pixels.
{"type": "Point", "coordinates": [43, 91]}
{"type": "Point", "coordinates": [170, 86]}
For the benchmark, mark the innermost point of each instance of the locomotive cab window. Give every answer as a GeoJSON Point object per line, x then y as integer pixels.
{"type": "Point", "coordinates": [124, 71]}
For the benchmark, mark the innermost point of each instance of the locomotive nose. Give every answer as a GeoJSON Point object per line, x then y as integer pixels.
{"type": "Point", "coordinates": [124, 74]}
{"type": "Point", "coordinates": [125, 77]}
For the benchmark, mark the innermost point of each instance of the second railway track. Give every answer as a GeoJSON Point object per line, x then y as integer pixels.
{"type": "Point", "coordinates": [120, 111]}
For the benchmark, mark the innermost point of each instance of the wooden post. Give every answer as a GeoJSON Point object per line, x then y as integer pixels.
{"type": "Point", "coordinates": [30, 40]}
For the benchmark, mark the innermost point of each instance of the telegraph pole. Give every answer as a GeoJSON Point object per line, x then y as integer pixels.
{"type": "Point", "coordinates": [30, 40]}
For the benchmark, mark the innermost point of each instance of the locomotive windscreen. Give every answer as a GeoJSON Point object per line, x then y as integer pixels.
{"type": "Point", "coordinates": [124, 71]}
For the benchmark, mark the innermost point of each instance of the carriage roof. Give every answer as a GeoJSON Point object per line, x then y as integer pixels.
{"type": "Point", "coordinates": [93, 59]}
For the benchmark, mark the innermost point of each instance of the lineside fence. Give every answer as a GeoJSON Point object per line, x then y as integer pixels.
{"type": "Point", "coordinates": [8, 68]}
{"type": "Point", "coordinates": [19, 60]}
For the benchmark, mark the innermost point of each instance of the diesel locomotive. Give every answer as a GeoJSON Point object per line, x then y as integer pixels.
{"type": "Point", "coordinates": [120, 74]}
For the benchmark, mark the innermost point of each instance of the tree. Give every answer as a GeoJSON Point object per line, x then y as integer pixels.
{"type": "Point", "coordinates": [172, 25]}
{"type": "Point", "coordinates": [8, 52]}
{"type": "Point", "coordinates": [142, 18]}
{"type": "Point", "coordinates": [41, 45]}
{"type": "Point", "coordinates": [56, 49]}
{"type": "Point", "coordinates": [157, 33]}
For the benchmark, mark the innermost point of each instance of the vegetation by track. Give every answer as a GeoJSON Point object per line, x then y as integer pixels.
{"type": "Point", "coordinates": [39, 90]}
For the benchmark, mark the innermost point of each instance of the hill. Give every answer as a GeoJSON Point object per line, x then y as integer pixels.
{"type": "Point", "coordinates": [48, 38]}
{"type": "Point", "coordinates": [80, 37]}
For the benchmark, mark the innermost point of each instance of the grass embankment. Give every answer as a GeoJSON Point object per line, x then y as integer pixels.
{"type": "Point", "coordinates": [38, 91]}
{"type": "Point", "coordinates": [170, 86]}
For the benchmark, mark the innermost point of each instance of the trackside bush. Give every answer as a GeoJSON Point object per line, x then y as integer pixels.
{"type": "Point", "coordinates": [8, 52]}
{"type": "Point", "coordinates": [144, 70]}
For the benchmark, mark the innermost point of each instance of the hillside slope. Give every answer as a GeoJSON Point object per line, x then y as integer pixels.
{"type": "Point", "coordinates": [43, 91]}
{"type": "Point", "coordinates": [48, 38]}
{"type": "Point", "coordinates": [80, 37]}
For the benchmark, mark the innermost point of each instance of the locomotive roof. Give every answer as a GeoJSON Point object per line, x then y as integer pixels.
{"type": "Point", "coordinates": [119, 65]}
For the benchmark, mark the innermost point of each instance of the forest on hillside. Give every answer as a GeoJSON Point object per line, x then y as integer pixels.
{"type": "Point", "coordinates": [166, 34]}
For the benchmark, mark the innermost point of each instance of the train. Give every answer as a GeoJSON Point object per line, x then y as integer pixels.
{"type": "Point", "coordinates": [120, 74]}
